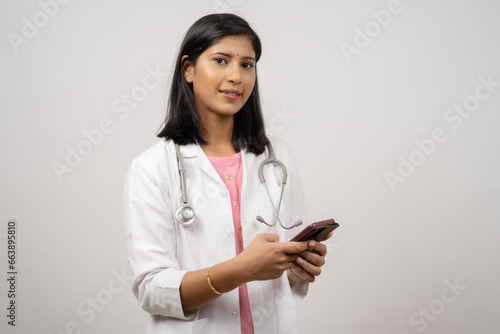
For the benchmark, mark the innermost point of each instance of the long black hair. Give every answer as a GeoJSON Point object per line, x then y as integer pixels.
{"type": "Point", "coordinates": [183, 122]}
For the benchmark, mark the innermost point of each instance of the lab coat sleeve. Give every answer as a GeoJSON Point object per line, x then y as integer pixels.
{"type": "Point", "coordinates": [151, 238]}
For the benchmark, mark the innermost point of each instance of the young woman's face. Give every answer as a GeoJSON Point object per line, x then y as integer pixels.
{"type": "Point", "coordinates": [224, 76]}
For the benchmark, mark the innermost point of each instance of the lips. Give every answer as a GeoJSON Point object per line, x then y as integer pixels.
{"type": "Point", "coordinates": [231, 92]}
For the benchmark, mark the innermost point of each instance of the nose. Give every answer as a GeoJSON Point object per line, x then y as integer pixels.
{"type": "Point", "coordinates": [234, 73]}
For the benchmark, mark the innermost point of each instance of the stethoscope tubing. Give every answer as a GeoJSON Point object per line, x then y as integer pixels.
{"type": "Point", "coordinates": [185, 215]}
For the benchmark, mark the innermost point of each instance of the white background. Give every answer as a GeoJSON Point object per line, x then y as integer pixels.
{"type": "Point", "coordinates": [349, 120]}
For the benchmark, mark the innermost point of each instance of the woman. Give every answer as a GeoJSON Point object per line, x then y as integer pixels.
{"type": "Point", "coordinates": [225, 272]}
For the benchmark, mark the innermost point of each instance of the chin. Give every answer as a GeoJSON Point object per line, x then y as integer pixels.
{"type": "Point", "coordinates": [230, 111]}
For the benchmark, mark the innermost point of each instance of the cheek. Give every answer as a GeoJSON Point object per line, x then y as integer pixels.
{"type": "Point", "coordinates": [206, 81]}
{"type": "Point", "coordinates": [203, 90]}
{"type": "Point", "coordinates": [250, 82]}
{"type": "Point", "coordinates": [249, 89]}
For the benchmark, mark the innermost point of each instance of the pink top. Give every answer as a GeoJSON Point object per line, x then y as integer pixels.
{"type": "Point", "coordinates": [230, 170]}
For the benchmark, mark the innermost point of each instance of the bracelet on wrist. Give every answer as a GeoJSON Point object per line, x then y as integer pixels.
{"type": "Point", "coordinates": [210, 283]}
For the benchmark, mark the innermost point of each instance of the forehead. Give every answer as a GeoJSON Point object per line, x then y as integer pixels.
{"type": "Point", "coordinates": [233, 44]}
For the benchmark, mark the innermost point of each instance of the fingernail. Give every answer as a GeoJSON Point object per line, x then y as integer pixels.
{"type": "Point", "coordinates": [300, 260]}
{"type": "Point", "coordinates": [312, 244]}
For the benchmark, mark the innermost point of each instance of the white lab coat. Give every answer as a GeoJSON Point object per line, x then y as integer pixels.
{"type": "Point", "coordinates": [161, 251]}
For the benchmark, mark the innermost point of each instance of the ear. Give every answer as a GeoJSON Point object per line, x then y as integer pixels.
{"type": "Point", "coordinates": [188, 69]}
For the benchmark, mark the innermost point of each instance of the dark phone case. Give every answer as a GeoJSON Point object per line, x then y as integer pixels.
{"type": "Point", "coordinates": [316, 231]}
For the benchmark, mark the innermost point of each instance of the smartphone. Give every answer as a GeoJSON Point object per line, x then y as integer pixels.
{"type": "Point", "coordinates": [316, 231]}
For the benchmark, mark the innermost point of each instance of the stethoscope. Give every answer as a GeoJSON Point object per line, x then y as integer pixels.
{"type": "Point", "coordinates": [185, 214]}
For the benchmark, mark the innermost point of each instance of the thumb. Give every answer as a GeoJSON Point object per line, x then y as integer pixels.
{"type": "Point", "coordinates": [270, 237]}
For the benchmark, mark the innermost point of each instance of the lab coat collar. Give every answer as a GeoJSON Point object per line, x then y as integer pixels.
{"type": "Point", "coordinates": [190, 150]}
{"type": "Point", "coordinates": [195, 153]}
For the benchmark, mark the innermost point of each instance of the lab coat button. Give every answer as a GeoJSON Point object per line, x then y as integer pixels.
{"type": "Point", "coordinates": [235, 314]}
{"type": "Point", "coordinates": [224, 193]}
{"type": "Point", "coordinates": [229, 234]}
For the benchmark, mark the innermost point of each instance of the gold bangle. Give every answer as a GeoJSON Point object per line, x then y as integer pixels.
{"type": "Point", "coordinates": [210, 283]}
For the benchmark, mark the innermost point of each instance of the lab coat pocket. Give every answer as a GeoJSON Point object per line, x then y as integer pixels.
{"type": "Point", "coordinates": [199, 326]}
{"type": "Point", "coordinates": [278, 317]}
{"type": "Point", "coordinates": [286, 312]}
{"type": "Point", "coordinates": [264, 317]}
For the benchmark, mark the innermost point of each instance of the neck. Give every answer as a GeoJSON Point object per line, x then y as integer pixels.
{"type": "Point", "coordinates": [217, 132]}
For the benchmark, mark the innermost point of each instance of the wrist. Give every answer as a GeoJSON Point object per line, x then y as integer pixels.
{"type": "Point", "coordinates": [294, 279]}
{"type": "Point", "coordinates": [239, 271]}
{"type": "Point", "coordinates": [226, 276]}
{"type": "Point", "coordinates": [209, 280]}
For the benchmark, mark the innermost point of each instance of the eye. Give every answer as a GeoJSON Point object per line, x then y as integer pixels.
{"type": "Point", "coordinates": [220, 61]}
{"type": "Point", "coordinates": [247, 65]}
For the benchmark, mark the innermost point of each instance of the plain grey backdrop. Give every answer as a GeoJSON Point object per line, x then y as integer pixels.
{"type": "Point", "coordinates": [391, 108]}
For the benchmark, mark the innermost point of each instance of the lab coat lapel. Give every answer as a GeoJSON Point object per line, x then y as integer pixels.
{"type": "Point", "coordinates": [248, 166]}
{"type": "Point", "coordinates": [194, 151]}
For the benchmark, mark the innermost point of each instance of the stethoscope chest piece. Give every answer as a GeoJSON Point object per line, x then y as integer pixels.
{"type": "Point", "coordinates": [185, 215]}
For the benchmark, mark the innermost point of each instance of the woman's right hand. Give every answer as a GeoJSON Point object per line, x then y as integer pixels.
{"type": "Point", "coordinates": [266, 258]}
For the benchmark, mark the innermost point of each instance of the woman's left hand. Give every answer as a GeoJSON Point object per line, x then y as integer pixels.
{"type": "Point", "coordinates": [309, 262]}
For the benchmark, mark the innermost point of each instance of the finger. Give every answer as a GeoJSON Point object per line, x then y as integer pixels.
{"type": "Point", "coordinates": [299, 271]}
{"type": "Point", "coordinates": [310, 268]}
{"type": "Point", "coordinates": [292, 247]}
{"type": "Point", "coordinates": [328, 236]}
{"type": "Point", "coordinates": [317, 247]}
{"type": "Point", "coordinates": [313, 258]}
{"type": "Point", "coordinates": [290, 265]}
{"type": "Point", "coordinates": [289, 258]}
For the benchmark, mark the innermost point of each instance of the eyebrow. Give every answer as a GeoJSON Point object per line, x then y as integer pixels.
{"type": "Point", "coordinates": [230, 55]}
